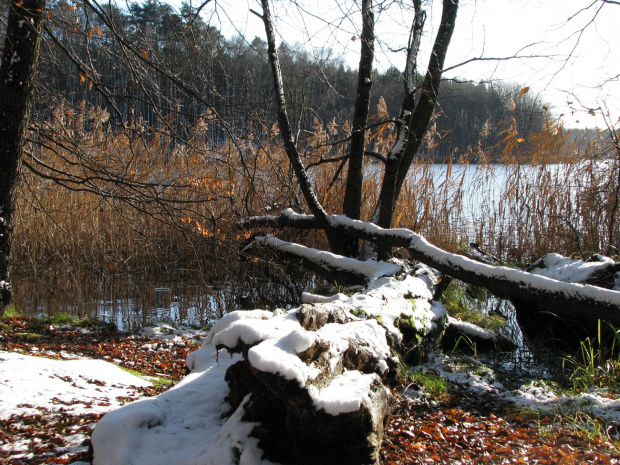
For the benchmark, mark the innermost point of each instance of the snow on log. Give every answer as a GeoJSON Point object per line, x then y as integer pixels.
{"type": "Point", "coordinates": [333, 266]}
{"type": "Point", "coordinates": [598, 270]}
{"type": "Point", "coordinates": [304, 386]}
{"type": "Point", "coordinates": [567, 299]}
{"type": "Point", "coordinates": [569, 324]}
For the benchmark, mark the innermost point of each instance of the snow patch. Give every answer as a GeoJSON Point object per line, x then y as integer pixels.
{"type": "Point", "coordinates": [308, 298]}
{"type": "Point", "coordinates": [538, 395]}
{"type": "Point", "coordinates": [344, 394]}
{"type": "Point", "coordinates": [230, 318]}
{"type": "Point", "coordinates": [182, 425]}
{"type": "Point", "coordinates": [81, 386]}
{"type": "Point", "coordinates": [279, 356]}
{"type": "Point", "coordinates": [556, 266]}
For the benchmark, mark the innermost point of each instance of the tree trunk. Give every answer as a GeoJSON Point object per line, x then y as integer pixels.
{"type": "Point", "coordinates": [398, 166]}
{"type": "Point", "coordinates": [568, 300]}
{"type": "Point", "coordinates": [384, 209]}
{"type": "Point", "coordinates": [17, 69]}
{"type": "Point", "coordinates": [352, 202]}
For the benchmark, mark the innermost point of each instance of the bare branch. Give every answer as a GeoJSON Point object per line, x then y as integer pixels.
{"type": "Point", "coordinates": [476, 59]}
{"type": "Point", "coordinates": [283, 120]}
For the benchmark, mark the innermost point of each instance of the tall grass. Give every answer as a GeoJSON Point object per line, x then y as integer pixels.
{"type": "Point", "coordinates": [596, 364]}
{"type": "Point", "coordinates": [549, 193]}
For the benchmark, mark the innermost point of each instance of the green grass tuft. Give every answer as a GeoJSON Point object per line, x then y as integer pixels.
{"type": "Point", "coordinates": [468, 303]}
{"type": "Point", "coordinates": [596, 364]}
{"type": "Point", "coordinates": [157, 381]}
{"type": "Point", "coordinates": [431, 382]}
{"type": "Point", "coordinates": [11, 312]}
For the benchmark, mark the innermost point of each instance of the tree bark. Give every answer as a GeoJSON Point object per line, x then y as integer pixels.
{"type": "Point", "coordinates": [353, 190]}
{"type": "Point", "coordinates": [17, 70]}
{"type": "Point", "coordinates": [398, 166]}
{"type": "Point", "coordinates": [430, 89]}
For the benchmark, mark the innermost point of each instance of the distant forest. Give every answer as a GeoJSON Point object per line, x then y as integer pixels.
{"type": "Point", "coordinates": [188, 63]}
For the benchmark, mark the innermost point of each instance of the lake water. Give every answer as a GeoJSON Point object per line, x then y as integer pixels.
{"type": "Point", "coordinates": [132, 301]}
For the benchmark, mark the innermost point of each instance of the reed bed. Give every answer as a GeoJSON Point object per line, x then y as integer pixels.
{"type": "Point", "coordinates": [551, 193]}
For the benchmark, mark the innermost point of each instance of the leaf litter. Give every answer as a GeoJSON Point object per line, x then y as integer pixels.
{"type": "Point", "coordinates": [58, 430]}
{"type": "Point", "coordinates": [462, 427]}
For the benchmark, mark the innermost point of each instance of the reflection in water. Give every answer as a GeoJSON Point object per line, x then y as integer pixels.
{"type": "Point", "coordinates": [178, 297]}
{"type": "Point", "coordinates": [529, 361]}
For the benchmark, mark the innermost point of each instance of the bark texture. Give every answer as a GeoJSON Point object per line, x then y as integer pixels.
{"type": "Point", "coordinates": [17, 70]}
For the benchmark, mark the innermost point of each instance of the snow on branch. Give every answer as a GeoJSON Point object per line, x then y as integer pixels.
{"type": "Point", "coordinates": [503, 281]}
{"type": "Point", "coordinates": [342, 269]}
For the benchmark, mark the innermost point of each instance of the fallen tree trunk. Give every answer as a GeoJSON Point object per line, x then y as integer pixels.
{"type": "Point", "coordinates": [564, 330]}
{"type": "Point", "coordinates": [569, 300]}
{"type": "Point", "coordinates": [329, 265]}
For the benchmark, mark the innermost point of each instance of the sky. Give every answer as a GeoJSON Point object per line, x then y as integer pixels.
{"type": "Point", "coordinates": [567, 47]}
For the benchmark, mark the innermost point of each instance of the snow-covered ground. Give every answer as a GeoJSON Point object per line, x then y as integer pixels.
{"type": "Point", "coordinates": [537, 395]}
{"type": "Point", "coordinates": [42, 388]}
{"type": "Point", "coordinates": [193, 409]}
{"type": "Point", "coordinates": [31, 385]}
{"type": "Point", "coordinates": [188, 423]}
{"type": "Point", "coordinates": [183, 425]}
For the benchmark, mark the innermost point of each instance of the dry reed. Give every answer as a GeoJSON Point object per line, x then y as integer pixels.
{"type": "Point", "coordinates": [549, 193]}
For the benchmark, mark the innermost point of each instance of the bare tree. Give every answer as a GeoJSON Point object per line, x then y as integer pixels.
{"type": "Point", "coordinates": [416, 113]}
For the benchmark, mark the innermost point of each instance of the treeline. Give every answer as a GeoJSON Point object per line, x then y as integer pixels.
{"type": "Point", "coordinates": [150, 64]}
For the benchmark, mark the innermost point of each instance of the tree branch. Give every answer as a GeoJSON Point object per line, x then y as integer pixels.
{"type": "Point", "coordinates": [565, 298]}
{"type": "Point", "coordinates": [286, 132]}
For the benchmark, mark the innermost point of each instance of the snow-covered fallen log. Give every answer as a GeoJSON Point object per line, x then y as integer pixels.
{"type": "Point", "coordinates": [303, 386]}
{"type": "Point", "coordinates": [332, 266]}
{"type": "Point", "coordinates": [567, 325]}
{"type": "Point", "coordinates": [566, 298]}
